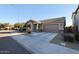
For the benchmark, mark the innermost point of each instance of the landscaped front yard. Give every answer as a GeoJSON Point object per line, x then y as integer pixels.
{"type": "Point", "coordinates": [72, 44]}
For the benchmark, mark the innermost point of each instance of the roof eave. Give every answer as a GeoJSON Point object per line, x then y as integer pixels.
{"type": "Point", "coordinates": [76, 10]}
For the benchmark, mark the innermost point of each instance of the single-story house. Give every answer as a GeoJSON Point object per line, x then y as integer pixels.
{"type": "Point", "coordinates": [75, 19]}
{"type": "Point", "coordinates": [47, 25]}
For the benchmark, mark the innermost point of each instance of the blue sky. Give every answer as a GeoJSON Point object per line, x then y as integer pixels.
{"type": "Point", "coordinates": [22, 12]}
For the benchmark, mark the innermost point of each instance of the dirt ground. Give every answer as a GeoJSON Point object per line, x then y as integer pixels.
{"type": "Point", "coordinates": [59, 41]}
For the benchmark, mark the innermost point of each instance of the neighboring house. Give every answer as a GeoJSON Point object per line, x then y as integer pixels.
{"type": "Point", "coordinates": [75, 19]}
{"type": "Point", "coordinates": [7, 28]}
{"type": "Point", "coordinates": [47, 25]}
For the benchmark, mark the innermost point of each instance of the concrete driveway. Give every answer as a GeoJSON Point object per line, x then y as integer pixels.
{"type": "Point", "coordinates": [39, 43]}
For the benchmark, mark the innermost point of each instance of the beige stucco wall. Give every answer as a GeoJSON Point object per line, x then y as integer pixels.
{"type": "Point", "coordinates": [53, 26]}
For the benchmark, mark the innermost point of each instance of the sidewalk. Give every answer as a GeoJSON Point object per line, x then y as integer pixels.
{"type": "Point", "coordinates": [39, 43]}
{"type": "Point", "coordinates": [4, 33]}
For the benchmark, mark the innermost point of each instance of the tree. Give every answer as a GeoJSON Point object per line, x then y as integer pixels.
{"type": "Point", "coordinates": [5, 26]}
{"type": "Point", "coordinates": [18, 25]}
{"type": "Point", "coordinates": [0, 26]}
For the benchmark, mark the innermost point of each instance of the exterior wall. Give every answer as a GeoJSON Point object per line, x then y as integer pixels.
{"type": "Point", "coordinates": [73, 20]}
{"type": "Point", "coordinates": [74, 24]}
{"type": "Point", "coordinates": [54, 26]}
{"type": "Point", "coordinates": [77, 20]}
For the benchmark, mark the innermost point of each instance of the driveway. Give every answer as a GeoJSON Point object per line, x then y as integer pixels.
{"type": "Point", "coordinates": [40, 43]}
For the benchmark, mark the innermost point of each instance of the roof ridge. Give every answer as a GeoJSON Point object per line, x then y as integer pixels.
{"type": "Point", "coordinates": [54, 19]}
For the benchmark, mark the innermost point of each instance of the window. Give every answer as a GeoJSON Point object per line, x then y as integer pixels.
{"type": "Point", "coordinates": [61, 27]}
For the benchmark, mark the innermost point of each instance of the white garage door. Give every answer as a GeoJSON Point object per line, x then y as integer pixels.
{"type": "Point", "coordinates": [51, 28]}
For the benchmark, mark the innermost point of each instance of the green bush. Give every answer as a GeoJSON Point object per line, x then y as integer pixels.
{"type": "Point", "coordinates": [68, 39]}
{"type": "Point", "coordinates": [77, 36]}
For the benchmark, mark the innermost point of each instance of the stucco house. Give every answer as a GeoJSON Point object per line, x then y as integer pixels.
{"type": "Point", "coordinates": [75, 19]}
{"type": "Point", "coordinates": [47, 25]}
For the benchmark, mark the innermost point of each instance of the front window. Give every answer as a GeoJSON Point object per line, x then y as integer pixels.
{"type": "Point", "coordinates": [61, 27]}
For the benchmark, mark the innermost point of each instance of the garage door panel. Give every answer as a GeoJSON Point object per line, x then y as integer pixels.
{"type": "Point", "coordinates": [51, 28]}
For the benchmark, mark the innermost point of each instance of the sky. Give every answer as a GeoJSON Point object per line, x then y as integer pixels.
{"type": "Point", "coordinates": [14, 13]}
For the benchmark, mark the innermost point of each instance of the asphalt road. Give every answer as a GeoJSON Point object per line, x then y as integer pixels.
{"type": "Point", "coordinates": [10, 46]}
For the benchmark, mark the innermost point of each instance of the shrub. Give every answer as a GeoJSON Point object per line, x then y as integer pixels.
{"type": "Point", "coordinates": [77, 36]}
{"type": "Point", "coordinates": [68, 39]}
{"type": "Point", "coordinates": [29, 31]}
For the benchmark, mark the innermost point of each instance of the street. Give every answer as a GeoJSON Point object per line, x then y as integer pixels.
{"type": "Point", "coordinates": [10, 46]}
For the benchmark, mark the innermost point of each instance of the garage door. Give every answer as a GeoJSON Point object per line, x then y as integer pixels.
{"type": "Point", "coordinates": [51, 28]}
